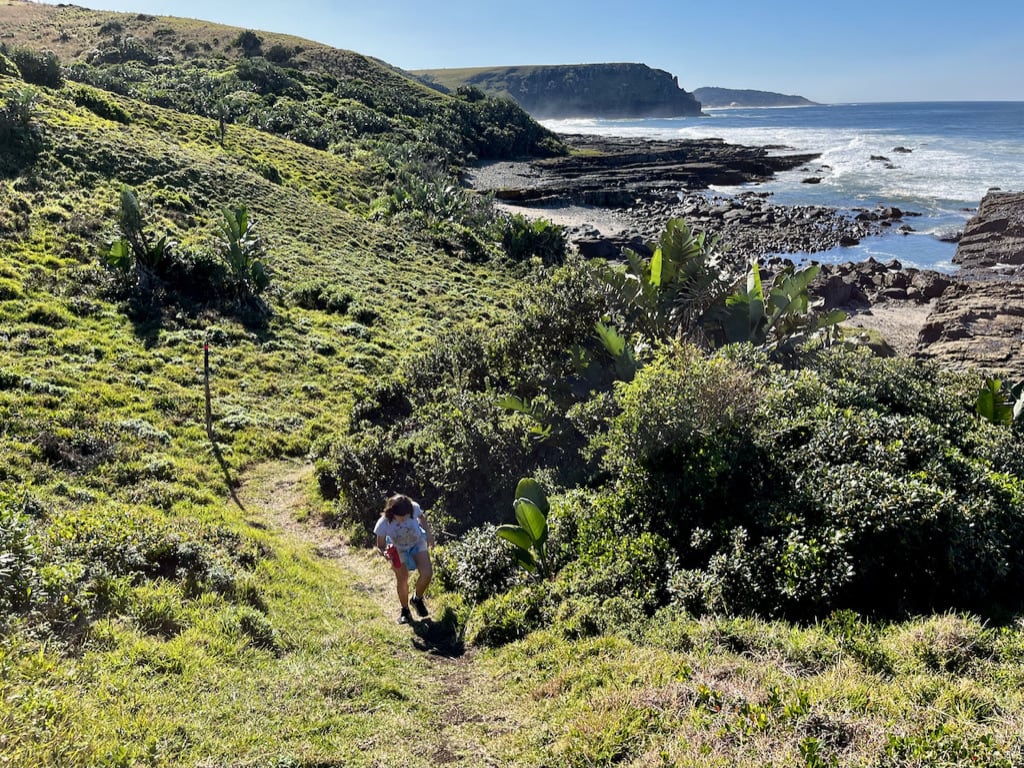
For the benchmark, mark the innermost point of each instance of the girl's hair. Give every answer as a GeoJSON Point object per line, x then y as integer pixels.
{"type": "Point", "coordinates": [399, 504]}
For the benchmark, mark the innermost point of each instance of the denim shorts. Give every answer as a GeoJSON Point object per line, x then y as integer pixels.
{"type": "Point", "coordinates": [408, 555]}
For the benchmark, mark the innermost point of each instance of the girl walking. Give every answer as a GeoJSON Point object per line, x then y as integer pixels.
{"type": "Point", "coordinates": [404, 527]}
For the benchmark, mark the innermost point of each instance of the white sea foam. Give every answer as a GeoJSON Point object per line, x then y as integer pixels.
{"type": "Point", "coordinates": [957, 152]}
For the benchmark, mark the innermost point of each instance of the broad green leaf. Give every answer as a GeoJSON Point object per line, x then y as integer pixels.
{"type": "Point", "coordinates": [120, 255]}
{"type": "Point", "coordinates": [832, 317]}
{"type": "Point", "coordinates": [516, 535]}
{"type": "Point", "coordinates": [513, 403]}
{"type": "Point", "coordinates": [526, 559]}
{"type": "Point", "coordinates": [528, 488]}
{"type": "Point", "coordinates": [991, 403]}
{"type": "Point", "coordinates": [754, 286]}
{"type": "Point", "coordinates": [656, 268]}
{"type": "Point", "coordinates": [613, 342]}
{"type": "Point", "coordinates": [531, 519]}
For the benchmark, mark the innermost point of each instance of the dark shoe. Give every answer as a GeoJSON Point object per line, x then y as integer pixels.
{"type": "Point", "coordinates": [405, 617]}
{"type": "Point", "coordinates": [421, 609]}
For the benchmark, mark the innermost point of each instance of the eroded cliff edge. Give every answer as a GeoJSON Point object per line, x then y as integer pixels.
{"type": "Point", "coordinates": [611, 91]}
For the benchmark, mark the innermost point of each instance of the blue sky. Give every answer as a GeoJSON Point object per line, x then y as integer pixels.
{"type": "Point", "coordinates": [909, 50]}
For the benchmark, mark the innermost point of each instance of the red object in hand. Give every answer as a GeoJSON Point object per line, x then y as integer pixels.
{"type": "Point", "coordinates": [392, 553]}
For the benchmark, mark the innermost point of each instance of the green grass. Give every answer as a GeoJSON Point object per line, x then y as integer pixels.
{"type": "Point", "coordinates": [719, 692]}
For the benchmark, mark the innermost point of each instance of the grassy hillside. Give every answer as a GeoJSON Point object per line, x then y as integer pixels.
{"type": "Point", "coordinates": [171, 596]}
{"type": "Point", "coordinates": [144, 612]}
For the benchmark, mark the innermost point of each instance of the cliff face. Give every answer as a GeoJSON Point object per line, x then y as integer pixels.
{"type": "Point", "coordinates": [583, 90]}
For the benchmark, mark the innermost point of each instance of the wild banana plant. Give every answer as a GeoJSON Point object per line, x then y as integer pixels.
{"type": "Point", "coordinates": [242, 251]}
{"type": "Point", "coordinates": [999, 404]}
{"type": "Point", "coordinates": [529, 538]}
{"type": "Point", "coordinates": [780, 319]}
{"type": "Point", "coordinates": [618, 348]}
{"type": "Point", "coordinates": [534, 410]}
{"type": "Point", "coordinates": [135, 249]}
{"type": "Point", "coordinates": [669, 295]}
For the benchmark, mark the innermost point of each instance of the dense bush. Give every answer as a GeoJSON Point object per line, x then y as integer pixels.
{"type": "Point", "coordinates": [101, 106]}
{"type": "Point", "coordinates": [838, 490]}
{"type": "Point", "coordinates": [734, 486]}
{"type": "Point", "coordinates": [478, 565]}
{"type": "Point", "coordinates": [38, 67]}
{"type": "Point", "coordinates": [523, 239]}
{"type": "Point", "coordinates": [20, 137]}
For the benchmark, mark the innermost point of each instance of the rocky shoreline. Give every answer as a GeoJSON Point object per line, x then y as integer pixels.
{"type": "Point", "coordinates": [615, 193]}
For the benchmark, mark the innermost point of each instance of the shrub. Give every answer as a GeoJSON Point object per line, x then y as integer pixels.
{"type": "Point", "coordinates": [680, 445]}
{"type": "Point", "coordinates": [254, 626]}
{"type": "Point", "coordinates": [19, 556]}
{"type": "Point", "coordinates": [508, 616]}
{"type": "Point", "coordinates": [477, 565]}
{"type": "Point", "coordinates": [100, 106]}
{"type": "Point", "coordinates": [38, 67]}
{"type": "Point", "coordinates": [523, 239]}
{"type": "Point", "coordinates": [633, 566]}
{"type": "Point", "coordinates": [21, 139]}
{"type": "Point", "coordinates": [250, 43]}
{"type": "Point", "coordinates": [322, 296]}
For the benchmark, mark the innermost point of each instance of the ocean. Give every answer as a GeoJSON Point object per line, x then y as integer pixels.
{"type": "Point", "coordinates": [937, 159]}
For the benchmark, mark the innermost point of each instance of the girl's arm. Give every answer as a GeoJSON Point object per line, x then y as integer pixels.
{"type": "Point", "coordinates": [425, 524]}
{"type": "Point", "coordinates": [382, 544]}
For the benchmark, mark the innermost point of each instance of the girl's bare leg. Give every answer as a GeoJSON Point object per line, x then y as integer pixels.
{"type": "Point", "coordinates": [402, 584]}
{"type": "Point", "coordinates": [426, 573]}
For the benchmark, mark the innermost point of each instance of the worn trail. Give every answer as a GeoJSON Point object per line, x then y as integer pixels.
{"type": "Point", "coordinates": [276, 495]}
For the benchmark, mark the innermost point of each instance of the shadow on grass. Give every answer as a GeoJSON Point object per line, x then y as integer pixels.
{"type": "Point", "coordinates": [444, 637]}
{"type": "Point", "coordinates": [231, 482]}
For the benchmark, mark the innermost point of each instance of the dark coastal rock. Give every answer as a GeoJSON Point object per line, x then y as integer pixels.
{"type": "Point", "coordinates": [856, 285]}
{"type": "Point", "coordinates": [979, 321]}
{"type": "Point", "coordinates": [648, 182]}
{"type": "Point", "coordinates": [992, 243]}
{"type": "Point", "coordinates": [979, 324]}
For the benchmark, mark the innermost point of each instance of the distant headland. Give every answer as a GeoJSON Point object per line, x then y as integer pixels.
{"type": "Point", "coordinates": [712, 98]}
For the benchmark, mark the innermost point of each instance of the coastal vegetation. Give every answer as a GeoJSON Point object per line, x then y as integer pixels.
{"type": "Point", "coordinates": [683, 521]}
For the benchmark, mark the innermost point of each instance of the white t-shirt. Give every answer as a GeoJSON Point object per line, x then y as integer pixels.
{"type": "Point", "coordinates": [404, 533]}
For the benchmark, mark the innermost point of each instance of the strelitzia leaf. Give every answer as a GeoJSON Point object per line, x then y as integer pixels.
{"type": "Point", "coordinates": [532, 520]}
{"type": "Point", "coordinates": [515, 535]}
{"type": "Point", "coordinates": [656, 268]}
{"type": "Point", "coordinates": [526, 559]}
{"type": "Point", "coordinates": [991, 403]}
{"type": "Point", "coordinates": [613, 342]}
{"type": "Point", "coordinates": [528, 488]}
{"type": "Point", "coordinates": [513, 403]}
